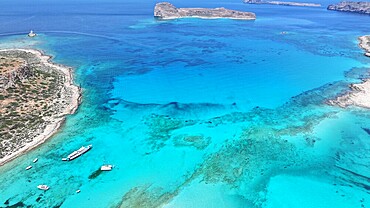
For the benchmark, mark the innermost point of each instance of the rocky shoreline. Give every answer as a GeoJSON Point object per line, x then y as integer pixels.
{"type": "Point", "coordinates": [61, 97]}
{"type": "Point", "coordinates": [360, 93]}
{"type": "Point", "coordinates": [365, 44]}
{"type": "Point", "coordinates": [351, 6]}
{"type": "Point", "coordinates": [167, 11]}
{"type": "Point", "coordinates": [282, 3]}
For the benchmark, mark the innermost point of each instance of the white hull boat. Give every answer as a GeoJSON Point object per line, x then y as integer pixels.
{"type": "Point", "coordinates": [106, 167]}
{"type": "Point", "coordinates": [43, 187]}
{"type": "Point", "coordinates": [77, 153]}
{"type": "Point", "coordinates": [31, 34]}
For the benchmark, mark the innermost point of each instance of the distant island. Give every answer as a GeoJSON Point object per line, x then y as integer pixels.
{"type": "Point", "coordinates": [35, 97]}
{"type": "Point", "coordinates": [351, 6]}
{"type": "Point", "coordinates": [168, 11]}
{"type": "Point", "coordinates": [282, 3]}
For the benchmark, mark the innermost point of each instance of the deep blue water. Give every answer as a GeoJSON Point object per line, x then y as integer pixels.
{"type": "Point", "coordinates": [197, 113]}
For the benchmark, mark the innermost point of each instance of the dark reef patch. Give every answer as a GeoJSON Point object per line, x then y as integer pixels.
{"type": "Point", "coordinates": [58, 205]}
{"type": "Point", "coordinates": [17, 205]}
{"type": "Point", "coordinates": [6, 202]}
{"type": "Point", "coordinates": [366, 130]}
{"type": "Point", "coordinates": [39, 199]}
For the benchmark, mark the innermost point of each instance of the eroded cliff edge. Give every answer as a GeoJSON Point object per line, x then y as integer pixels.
{"type": "Point", "coordinates": [168, 11]}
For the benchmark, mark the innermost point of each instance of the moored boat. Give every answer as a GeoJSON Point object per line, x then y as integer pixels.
{"type": "Point", "coordinates": [77, 153]}
{"type": "Point", "coordinates": [106, 167]}
{"type": "Point", "coordinates": [31, 34]}
{"type": "Point", "coordinates": [43, 187]}
{"type": "Point", "coordinates": [35, 160]}
{"type": "Point", "coordinates": [28, 167]}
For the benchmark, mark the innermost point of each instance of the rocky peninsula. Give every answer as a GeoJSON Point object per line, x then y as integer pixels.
{"type": "Point", "coordinates": [351, 6]}
{"type": "Point", "coordinates": [360, 93]}
{"type": "Point", "coordinates": [166, 11]}
{"type": "Point", "coordinates": [282, 3]}
{"type": "Point", "coordinates": [35, 97]}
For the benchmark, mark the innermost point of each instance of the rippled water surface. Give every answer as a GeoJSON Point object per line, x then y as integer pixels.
{"type": "Point", "coordinates": [197, 113]}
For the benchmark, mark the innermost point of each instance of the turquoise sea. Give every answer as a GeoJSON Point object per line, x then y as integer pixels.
{"type": "Point", "coordinates": [197, 113]}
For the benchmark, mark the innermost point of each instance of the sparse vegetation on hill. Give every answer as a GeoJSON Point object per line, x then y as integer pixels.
{"type": "Point", "coordinates": [32, 95]}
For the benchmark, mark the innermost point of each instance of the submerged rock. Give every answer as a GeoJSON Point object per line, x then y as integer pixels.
{"type": "Point", "coordinates": [166, 10]}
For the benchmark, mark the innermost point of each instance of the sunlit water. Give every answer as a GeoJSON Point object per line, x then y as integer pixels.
{"type": "Point", "coordinates": [197, 113]}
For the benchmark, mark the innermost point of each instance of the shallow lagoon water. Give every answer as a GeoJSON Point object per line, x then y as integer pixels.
{"type": "Point", "coordinates": [197, 113]}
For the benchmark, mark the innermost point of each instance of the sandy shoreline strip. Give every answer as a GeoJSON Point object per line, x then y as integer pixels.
{"type": "Point", "coordinates": [73, 98]}
{"type": "Point", "coordinates": [360, 93]}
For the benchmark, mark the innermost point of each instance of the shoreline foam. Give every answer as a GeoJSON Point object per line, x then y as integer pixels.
{"type": "Point", "coordinates": [58, 119]}
{"type": "Point", "coordinates": [360, 93]}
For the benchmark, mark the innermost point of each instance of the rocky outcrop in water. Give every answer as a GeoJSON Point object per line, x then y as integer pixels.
{"type": "Point", "coordinates": [166, 10]}
{"type": "Point", "coordinates": [351, 6]}
{"type": "Point", "coordinates": [282, 3]}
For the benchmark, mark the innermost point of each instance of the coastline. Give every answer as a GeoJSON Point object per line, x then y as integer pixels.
{"type": "Point", "coordinates": [360, 93]}
{"type": "Point", "coordinates": [72, 94]}
{"type": "Point", "coordinates": [202, 17]}
{"type": "Point", "coordinates": [282, 3]}
{"type": "Point", "coordinates": [365, 44]}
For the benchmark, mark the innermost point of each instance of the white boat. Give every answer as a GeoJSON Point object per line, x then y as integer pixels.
{"type": "Point", "coordinates": [31, 34]}
{"type": "Point", "coordinates": [35, 160]}
{"type": "Point", "coordinates": [77, 153]}
{"type": "Point", "coordinates": [43, 187]}
{"type": "Point", "coordinates": [106, 167]}
{"type": "Point", "coordinates": [78, 191]}
{"type": "Point", "coordinates": [28, 167]}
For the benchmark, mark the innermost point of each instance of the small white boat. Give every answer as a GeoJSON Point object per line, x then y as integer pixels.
{"type": "Point", "coordinates": [29, 167]}
{"type": "Point", "coordinates": [35, 160]}
{"type": "Point", "coordinates": [106, 167]}
{"type": "Point", "coordinates": [64, 159]}
{"type": "Point", "coordinates": [31, 34]}
{"type": "Point", "coordinates": [43, 187]}
{"type": "Point", "coordinates": [78, 191]}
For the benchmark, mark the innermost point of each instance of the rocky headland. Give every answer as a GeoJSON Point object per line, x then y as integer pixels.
{"type": "Point", "coordinates": [360, 93]}
{"type": "Point", "coordinates": [35, 97]}
{"type": "Point", "coordinates": [351, 6]}
{"type": "Point", "coordinates": [282, 3]}
{"type": "Point", "coordinates": [166, 11]}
